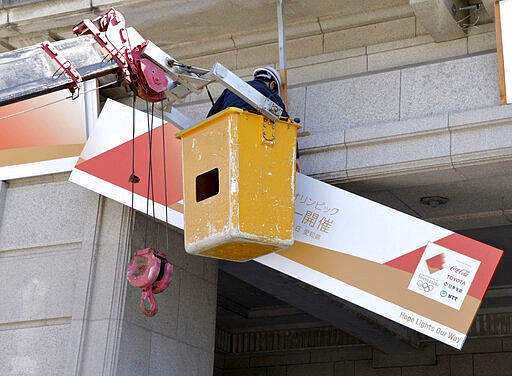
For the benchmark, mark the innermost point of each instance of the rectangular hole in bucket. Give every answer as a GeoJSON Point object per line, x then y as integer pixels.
{"type": "Point", "coordinates": [207, 185]}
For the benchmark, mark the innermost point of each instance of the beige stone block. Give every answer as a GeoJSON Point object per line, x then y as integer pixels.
{"type": "Point", "coordinates": [327, 70]}
{"type": "Point", "coordinates": [3, 49]}
{"type": "Point", "coordinates": [420, 29]}
{"type": "Point", "coordinates": [49, 214]}
{"type": "Point", "coordinates": [26, 40]}
{"type": "Point", "coordinates": [47, 9]}
{"type": "Point", "coordinates": [399, 44]}
{"type": "Point", "coordinates": [346, 103]}
{"type": "Point", "coordinates": [378, 148]}
{"type": "Point", "coordinates": [370, 34]}
{"type": "Point", "coordinates": [436, 17]}
{"type": "Point", "coordinates": [481, 42]}
{"type": "Point", "coordinates": [37, 284]}
{"type": "Point", "coordinates": [228, 59]}
{"type": "Point", "coordinates": [54, 22]}
{"type": "Point", "coordinates": [396, 130]}
{"type": "Point", "coordinates": [34, 351]}
{"type": "Point", "coordinates": [296, 30]}
{"type": "Point", "coordinates": [374, 13]}
{"type": "Point", "coordinates": [197, 49]}
{"type": "Point", "coordinates": [417, 54]}
{"type": "Point", "coordinates": [482, 28]}
{"type": "Point", "coordinates": [254, 38]}
{"type": "Point", "coordinates": [448, 86]}
{"type": "Point", "coordinates": [369, 163]}
{"type": "Point", "coordinates": [99, 3]}
{"type": "Point", "coordinates": [326, 57]}
{"type": "Point", "coordinates": [6, 33]}
{"type": "Point", "coordinates": [485, 141]}
{"type": "Point", "coordinates": [4, 19]}
{"type": "Point", "coordinates": [489, 7]}
{"type": "Point", "coordinates": [255, 56]}
{"type": "Point", "coordinates": [303, 28]}
{"type": "Point", "coordinates": [302, 47]}
{"type": "Point", "coordinates": [331, 162]}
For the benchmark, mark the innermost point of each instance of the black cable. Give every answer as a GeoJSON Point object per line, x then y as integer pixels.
{"type": "Point", "coordinates": [165, 180]}
{"type": "Point", "coordinates": [149, 172]}
{"type": "Point", "coordinates": [210, 95]}
{"type": "Point", "coordinates": [155, 224]}
{"type": "Point", "coordinates": [133, 178]}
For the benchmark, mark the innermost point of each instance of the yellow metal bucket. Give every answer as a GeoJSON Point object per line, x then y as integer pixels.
{"type": "Point", "coordinates": [238, 185]}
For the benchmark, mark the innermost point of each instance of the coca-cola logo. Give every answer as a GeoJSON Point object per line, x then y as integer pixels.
{"type": "Point", "coordinates": [461, 271]}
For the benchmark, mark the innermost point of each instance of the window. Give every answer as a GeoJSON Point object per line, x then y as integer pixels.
{"type": "Point", "coordinates": [207, 185]}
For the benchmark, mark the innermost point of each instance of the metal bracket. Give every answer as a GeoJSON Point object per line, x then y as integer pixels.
{"type": "Point", "coordinates": [187, 79]}
{"type": "Point", "coordinates": [268, 132]}
{"type": "Point", "coordinates": [66, 66]}
{"type": "Point", "coordinates": [125, 46]}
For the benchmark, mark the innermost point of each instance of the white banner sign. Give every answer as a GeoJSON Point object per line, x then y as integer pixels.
{"type": "Point", "coordinates": [420, 275]}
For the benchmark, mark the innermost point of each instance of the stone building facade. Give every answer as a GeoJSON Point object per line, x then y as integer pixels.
{"type": "Point", "coordinates": [398, 101]}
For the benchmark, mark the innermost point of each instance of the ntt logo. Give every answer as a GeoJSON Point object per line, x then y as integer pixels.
{"type": "Point", "coordinates": [443, 293]}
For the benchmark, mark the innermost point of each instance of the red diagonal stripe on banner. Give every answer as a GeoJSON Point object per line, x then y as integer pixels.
{"type": "Point", "coordinates": [115, 165]}
{"type": "Point", "coordinates": [488, 256]}
{"type": "Point", "coordinates": [407, 262]}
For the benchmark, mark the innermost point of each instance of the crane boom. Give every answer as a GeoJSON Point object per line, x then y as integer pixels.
{"type": "Point", "coordinates": [29, 72]}
{"type": "Point", "coordinates": [104, 45]}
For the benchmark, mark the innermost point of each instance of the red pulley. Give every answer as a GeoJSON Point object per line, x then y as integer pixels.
{"type": "Point", "coordinates": [165, 276]}
{"type": "Point", "coordinates": [149, 270]}
{"type": "Point", "coordinates": [143, 269]}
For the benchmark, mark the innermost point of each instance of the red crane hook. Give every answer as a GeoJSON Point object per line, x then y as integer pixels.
{"type": "Point", "coordinates": [150, 271]}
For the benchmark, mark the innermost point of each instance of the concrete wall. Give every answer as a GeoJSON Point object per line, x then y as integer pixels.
{"type": "Point", "coordinates": [401, 106]}
{"type": "Point", "coordinates": [66, 305]}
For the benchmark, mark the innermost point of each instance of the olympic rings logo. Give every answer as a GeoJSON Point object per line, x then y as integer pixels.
{"type": "Point", "coordinates": [425, 286]}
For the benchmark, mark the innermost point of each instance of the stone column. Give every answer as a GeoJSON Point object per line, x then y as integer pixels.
{"type": "Point", "coordinates": [67, 308]}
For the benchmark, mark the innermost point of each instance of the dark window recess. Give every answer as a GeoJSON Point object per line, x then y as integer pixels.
{"type": "Point", "coordinates": [207, 185]}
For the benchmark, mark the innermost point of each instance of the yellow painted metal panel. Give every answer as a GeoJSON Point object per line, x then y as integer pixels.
{"type": "Point", "coordinates": [239, 185]}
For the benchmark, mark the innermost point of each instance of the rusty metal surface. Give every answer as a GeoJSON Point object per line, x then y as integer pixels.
{"type": "Point", "coordinates": [30, 72]}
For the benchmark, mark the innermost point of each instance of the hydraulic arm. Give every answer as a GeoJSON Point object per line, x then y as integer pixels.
{"type": "Point", "coordinates": [104, 46]}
